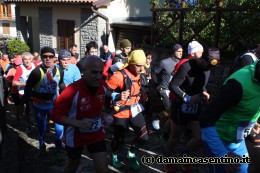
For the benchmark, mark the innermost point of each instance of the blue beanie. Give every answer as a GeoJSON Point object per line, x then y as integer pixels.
{"type": "Point", "coordinates": [64, 54]}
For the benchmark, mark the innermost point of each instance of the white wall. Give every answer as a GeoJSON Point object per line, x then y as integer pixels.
{"type": "Point", "coordinates": [13, 29]}
{"type": "Point", "coordinates": [128, 8]}
{"type": "Point", "coordinates": [120, 10]}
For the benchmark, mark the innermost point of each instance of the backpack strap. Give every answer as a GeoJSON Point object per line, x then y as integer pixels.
{"type": "Point", "coordinates": [37, 86]}
{"type": "Point", "coordinates": [127, 80]}
{"type": "Point", "coordinates": [252, 56]}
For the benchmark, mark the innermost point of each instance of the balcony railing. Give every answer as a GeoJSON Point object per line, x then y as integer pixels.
{"type": "Point", "coordinates": [7, 16]}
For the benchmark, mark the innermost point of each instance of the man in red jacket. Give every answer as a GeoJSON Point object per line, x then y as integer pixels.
{"type": "Point", "coordinates": [78, 108]}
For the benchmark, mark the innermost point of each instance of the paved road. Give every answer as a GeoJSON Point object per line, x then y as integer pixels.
{"type": "Point", "coordinates": [26, 156]}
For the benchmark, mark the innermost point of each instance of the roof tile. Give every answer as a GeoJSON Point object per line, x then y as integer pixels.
{"type": "Point", "coordinates": [52, 1]}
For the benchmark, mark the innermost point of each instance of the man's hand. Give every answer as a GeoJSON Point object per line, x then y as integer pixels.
{"type": "Point", "coordinates": [205, 95]}
{"type": "Point", "coordinates": [85, 124]}
{"type": "Point", "coordinates": [144, 96]}
{"type": "Point", "coordinates": [195, 99]}
{"type": "Point", "coordinates": [125, 95]}
{"type": "Point", "coordinates": [256, 129]}
{"type": "Point", "coordinates": [232, 167]}
{"type": "Point", "coordinates": [149, 77]}
{"type": "Point", "coordinates": [159, 88]}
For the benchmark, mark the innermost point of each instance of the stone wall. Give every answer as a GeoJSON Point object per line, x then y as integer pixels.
{"type": "Point", "coordinates": [89, 28]}
{"type": "Point", "coordinates": [45, 28]}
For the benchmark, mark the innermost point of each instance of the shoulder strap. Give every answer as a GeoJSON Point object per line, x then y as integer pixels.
{"type": "Point", "coordinates": [127, 80]}
{"type": "Point", "coordinates": [252, 56]}
{"type": "Point", "coordinates": [232, 67]}
{"type": "Point", "coordinates": [58, 73]}
{"type": "Point", "coordinates": [37, 86]}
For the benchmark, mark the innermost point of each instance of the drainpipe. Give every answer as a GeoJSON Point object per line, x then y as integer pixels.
{"type": "Point", "coordinates": [107, 23]}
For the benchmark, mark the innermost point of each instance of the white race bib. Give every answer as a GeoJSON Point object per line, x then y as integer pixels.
{"type": "Point", "coordinates": [21, 91]}
{"type": "Point", "coordinates": [136, 109]}
{"type": "Point", "coordinates": [187, 108]}
{"type": "Point", "coordinates": [94, 128]}
{"type": "Point", "coordinates": [244, 130]}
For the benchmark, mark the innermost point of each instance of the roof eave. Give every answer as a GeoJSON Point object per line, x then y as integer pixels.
{"type": "Point", "coordinates": [96, 4]}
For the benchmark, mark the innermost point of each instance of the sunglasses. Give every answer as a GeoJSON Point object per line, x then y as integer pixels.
{"type": "Point", "coordinates": [46, 56]}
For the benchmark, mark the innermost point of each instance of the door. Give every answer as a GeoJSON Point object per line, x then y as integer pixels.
{"type": "Point", "coordinates": [65, 33]}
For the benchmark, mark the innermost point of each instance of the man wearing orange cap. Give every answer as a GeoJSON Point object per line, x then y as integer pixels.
{"type": "Point", "coordinates": [124, 89]}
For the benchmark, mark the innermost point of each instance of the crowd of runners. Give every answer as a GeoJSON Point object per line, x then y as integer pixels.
{"type": "Point", "coordinates": [81, 95]}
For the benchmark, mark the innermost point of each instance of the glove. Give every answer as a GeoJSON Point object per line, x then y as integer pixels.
{"type": "Point", "coordinates": [195, 99]}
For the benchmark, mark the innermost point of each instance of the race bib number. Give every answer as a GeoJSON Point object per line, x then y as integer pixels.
{"type": "Point", "coordinates": [187, 108]}
{"type": "Point", "coordinates": [244, 130]}
{"type": "Point", "coordinates": [21, 90]}
{"type": "Point", "coordinates": [136, 109]}
{"type": "Point", "coordinates": [94, 128]}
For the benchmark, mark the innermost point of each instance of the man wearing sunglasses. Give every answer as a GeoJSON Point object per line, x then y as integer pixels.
{"type": "Point", "coordinates": [189, 88]}
{"type": "Point", "coordinates": [43, 87]}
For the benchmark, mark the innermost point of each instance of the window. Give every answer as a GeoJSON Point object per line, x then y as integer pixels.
{"type": "Point", "coordinates": [6, 28]}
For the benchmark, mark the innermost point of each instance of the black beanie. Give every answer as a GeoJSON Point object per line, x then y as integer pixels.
{"type": "Point", "coordinates": [47, 49]}
{"type": "Point", "coordinates": [176, 47]}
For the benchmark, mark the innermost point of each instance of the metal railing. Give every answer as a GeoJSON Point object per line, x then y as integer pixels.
{"type": "Point", "coordinates": [216, 16]}
{"type": "Point", "coordinates": [7, 16]}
